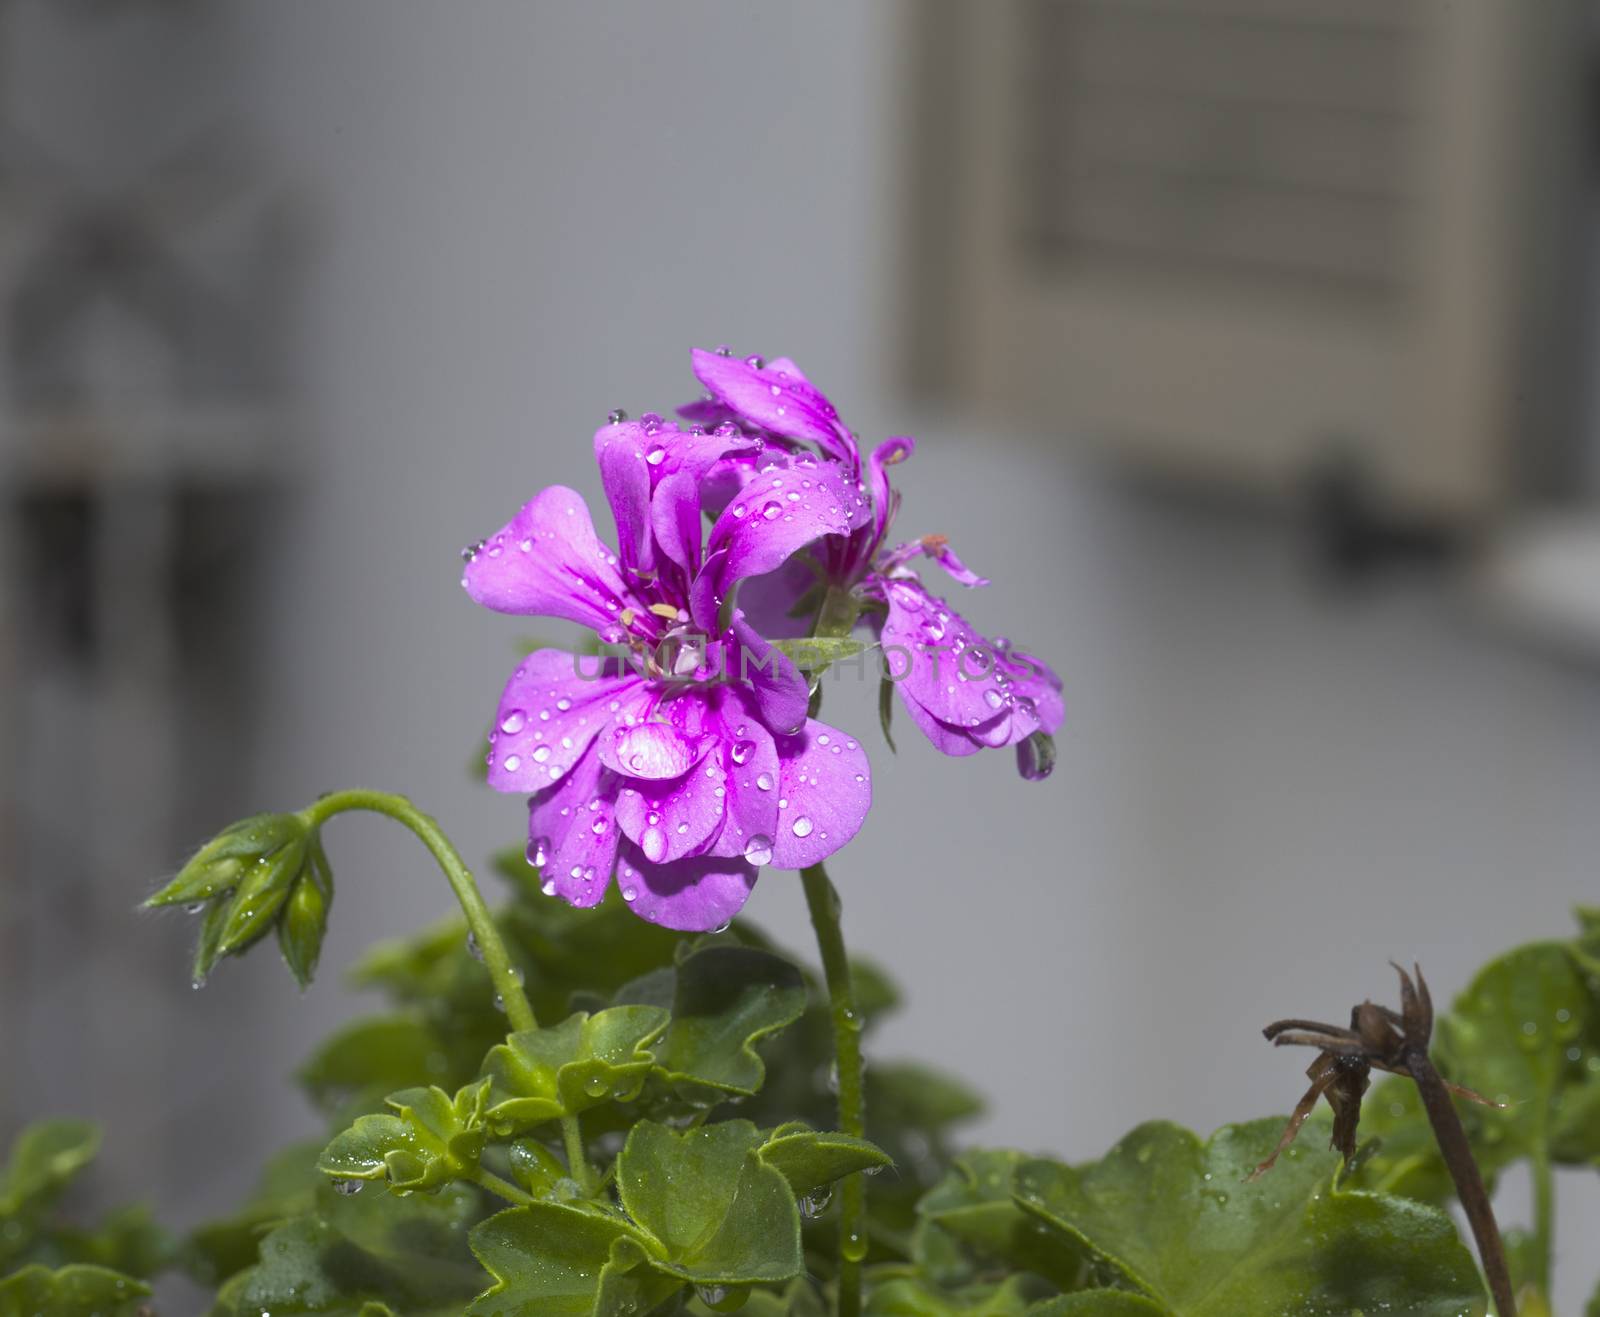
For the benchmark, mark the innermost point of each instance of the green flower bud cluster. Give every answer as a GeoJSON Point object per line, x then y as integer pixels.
{"type": "Point", "coordinates": [264, 873]}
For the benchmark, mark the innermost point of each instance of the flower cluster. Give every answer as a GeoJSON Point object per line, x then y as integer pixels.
{"type": "Point", "coordinates": [683, 759]}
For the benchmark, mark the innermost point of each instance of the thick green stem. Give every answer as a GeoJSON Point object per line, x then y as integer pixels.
{"type": "Point", "coordinates": [479, 920]}
{"type": "Point", "coordinates": [577, 1158]}
{"type": "Point", "coordinates": [823, 902]}
{"type": "Point", "coordinates": [503, 1188]}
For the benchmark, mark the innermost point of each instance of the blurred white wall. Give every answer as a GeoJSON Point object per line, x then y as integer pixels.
{"type": "Point", "coordinates": [525, 214]}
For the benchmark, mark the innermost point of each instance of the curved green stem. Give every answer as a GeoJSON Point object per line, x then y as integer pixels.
{"type": "Point", "coordinates": [823, 902]}
{"type": "Point", "coordinates": [479, 920]}
{"type": "Point", "coordinates": [577, 1158]}
{"type": "Point", "coordinates": [503, 1188]}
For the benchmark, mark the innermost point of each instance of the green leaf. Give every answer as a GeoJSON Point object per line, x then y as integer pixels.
{"type": "Point", "coordinates": [431, 1140]}
{"type": "Point", "coordinates": [724, 1000]}
{"type": "Point", "coordinates": [566, 1261]}
{"type": "Point", "coordinates": [370, 1058]}
{"type": "Point", "coordinates": [74, 1291]}
{"type": "Point", "coordinates": [541, 1172]}
{"type": "Point", "coordinates": [975, 1206]}
{"type": "Point", "coordinates": [720, 1214]}
{"type": "Point", "coordinates": [585, 1060]}
{"type": "Point", "coordinates": [809, 1159]}
{"type": "Point", "coordinates": [1177, 1220]}
{"type": "Point", "coordinates": [407, 1254]}
{"type": "Point", "coordinates": [44, 1159]}
{"type": "Point", "coordinates": [1526, 1033]}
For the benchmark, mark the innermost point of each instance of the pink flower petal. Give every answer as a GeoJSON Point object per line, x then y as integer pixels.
{"type": "Point", "coordinates": [696, 895]}
{"type": "Point", "coordinates": [547, 562]}
{"type": "Point", "coordinates": [825, 788]}
{"type": "Point", "coordinates": [572, 834]}
{"type": "Point", "coordinates": [552, 708]}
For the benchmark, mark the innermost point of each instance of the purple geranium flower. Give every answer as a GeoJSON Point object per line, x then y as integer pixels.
{"type": "Point", "coordinates": [965, 692]}
{"type": "Point", "coordinates": [684, 761]}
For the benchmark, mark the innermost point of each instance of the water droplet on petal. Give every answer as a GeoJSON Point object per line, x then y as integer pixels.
{"type": "Point", "coordinates": [763, 781]}
{"type": "Point", "coordinates": [772, 510]}
{"type": "Point", "coordinates": [742, 750]}
{"type": "Point", "coordinates": [802, 826]}
{"type": "Point", "coordinates": [539, 852]}
{"type": "Point", "coordinates": [654, 845]}
{"type": "Point", "coordinates": [630, 894]}
{"type": "Point", "coordinates": [616, 416]}
{"type": "Point", "coordinates": [758, 850]}
{"type": "Point", "coordinates": [513, 722]}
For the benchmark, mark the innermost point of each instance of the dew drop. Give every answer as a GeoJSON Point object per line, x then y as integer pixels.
{"type": "Point", "coordinates": [763, 781]}
{"type": "Point", "coordinates": [513, 722]}
{"type": "Point", "coordinates": [347, 1187]}
{"type": "Point", "coordinates": [538, 852]}
{"type": "Point", "coordinates": [772, 510]}
{"type": "Point", "coordinates": [742, 750]}
{"type": "Point", "coordinates": [802, 826]}
{"type": "Point", "coordinates": [616, 416]}
{"type": "Point", "coordinates": [473, 949]}
{"type": "Point", "coordinates": [514, 762]}
{"type": "Point", "coordinates": [758, 850]}
{"type": "Point", "coordinates": [815, 1203]}
{"type": "Point", "coordinates": [596, 1086]}
{"type": "Point", "coordinates": [654, 845]}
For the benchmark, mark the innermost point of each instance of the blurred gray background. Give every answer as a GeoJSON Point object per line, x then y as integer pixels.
{"type": "Point", "coordinates": [299, 298]}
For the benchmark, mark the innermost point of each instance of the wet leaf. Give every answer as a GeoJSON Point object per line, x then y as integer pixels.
{"type": "Point", "coordinates": [724, 1000]}
{"type": "Point", "coordinates": [431, 1140]}
{"type": "Point", "coordinates": [585, 1060]}
{"type": "Point", "coordinates": [566, 1261]}
{"type": "Point", "coordinates": [1176, 1219]}
{"type": "Point", "coordinates": [718, 1212]}
{"type": "Point", "coordinates": [809, 1159]}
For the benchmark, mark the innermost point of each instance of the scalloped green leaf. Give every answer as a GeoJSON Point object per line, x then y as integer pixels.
{"type": "Point", "coordinates": [970, 1221]}
{"type": "Point", "coordinates": [1177, 1219]}
{"type": "Point", "coordinates": [355, 1256]}
{"type": "Point", "coordinates": [724, 1000]}
{"type": "Point", "coordinates": [809, 1159]}
{"type": "Point", "coordinates": [545, 1074]}
{"type": "Point", "coordinates": [79, 1290]}
{"type": "Point", "coordinates": [721, 1215]}
{"type": "Point", "coordinates": [566, 1261]}
{"type": "Point", "coordinates": [431, 1140]}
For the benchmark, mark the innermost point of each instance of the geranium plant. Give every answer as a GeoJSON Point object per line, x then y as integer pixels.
{"type": "Point", "coordinates": [614, 1095]}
